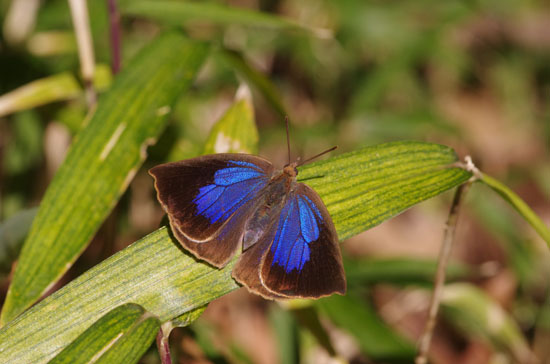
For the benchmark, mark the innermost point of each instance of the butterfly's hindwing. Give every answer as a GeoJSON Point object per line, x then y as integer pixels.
{"type": "Point", "coordinates": [208, 200]}
{"type": "Point", "coordinates": [303, 259]}
{"type": "Point", "coordinates": [247, 269]}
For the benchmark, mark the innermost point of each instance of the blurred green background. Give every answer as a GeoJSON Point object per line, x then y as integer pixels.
{"type": "Point", "coordinates": [473, 75]}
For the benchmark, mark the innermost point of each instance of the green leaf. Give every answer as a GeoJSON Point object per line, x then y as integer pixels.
{"type": "Point", "coordinates": [363, 188]}
{"type": "Point", "coordinates": [60, 87]}
{"type": "Point", "coordinates": [100, 164]}
{"type": "Point", "coordinates": [236, 131]}
{"type": "Point", "coordinates": [157, 274]}
{"type": "Point", "coordinates": [308, 317]}
{"type": "Point", "coordinates": [470, 309]}
{"type": "Point", "coordinates": [53, 88]}
{"type": "Point", "coordinates": [376, 339]}
{"type": "Point", "coordinates": [285, 331]}
{"type": "Point", "coordinates": [400, 271]}
{"type": "Point", "coordinates": [130, 348]}
{"type": "Point", "coordinates": [501, 222]}
{"type": "Point", "coordinates": [187, 318]}
{"type": "Point", "coordinates": [180, 12]}
{"type": "Point", "coordinates": [153, 272]}
{"type": "Point", "coordinates": [519, 205]}
{"type": "Point", "coordinates": [12, 233]}
{"type": "Point", "coordinates": [204, 333]}
{"type": "Point", "coordinates": [121, 336]}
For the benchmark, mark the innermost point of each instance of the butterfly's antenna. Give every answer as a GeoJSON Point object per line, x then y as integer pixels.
{"type": "Point", "coordinates": [317, 156]}
{"type": "Point", "coordinates": [287, 138]}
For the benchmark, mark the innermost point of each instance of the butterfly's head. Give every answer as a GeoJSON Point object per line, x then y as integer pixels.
{"type": "Point", "coordinates": [291, 170]}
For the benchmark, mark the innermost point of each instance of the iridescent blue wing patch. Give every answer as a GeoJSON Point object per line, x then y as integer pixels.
{"type": "Point", "coordinates": [231, 188]}
{"type": "Point", "coordinates": [302, 258]}
{"type": "Point", "coordinates": [208, 200]}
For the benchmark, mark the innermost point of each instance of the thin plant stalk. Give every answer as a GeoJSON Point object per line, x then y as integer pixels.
{"type": "Point", "coordinates": [444, 255]}
{"type": "Point", "coordinates": [81, 23]}
{"type": "Point", "coordinates": [114, 34]}
{"type": "Point", "coordinates": [163, 345]}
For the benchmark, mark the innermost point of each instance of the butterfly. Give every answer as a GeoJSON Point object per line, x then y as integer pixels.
{"type": "Point", "coordinates": [220, 203]}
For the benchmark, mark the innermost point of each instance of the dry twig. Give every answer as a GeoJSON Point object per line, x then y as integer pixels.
{"type": "Point", "coordinates": [444, 254]}
{"type": "Point", "coordinates": [81, 23]}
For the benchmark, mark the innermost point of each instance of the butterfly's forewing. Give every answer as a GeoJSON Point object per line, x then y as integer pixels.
{"type": "Point", "coordinates": [223, 245]}
{"type": "Point", "coordinates": [208, 200]}
{"type": "Point", "coordinates": [303, 258]}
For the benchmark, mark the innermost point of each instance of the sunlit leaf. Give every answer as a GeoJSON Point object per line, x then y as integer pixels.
{"type": "Point", "coordinates": [53, 88]}
{"type": "Point", "coordinates": [154, 272]}
{"type": "Point", "coordinates": [365, 187]}
{"type": "Point", "coordinates": [60, 87]}
{"type": "Point", "coordinates": [121, 336]}
{"type": "Point", "coordinates": [236, 131]}
{"type": "Point", "coordinates": [519, 205]}
{"type": "Point", "coordinates": [100, 164]}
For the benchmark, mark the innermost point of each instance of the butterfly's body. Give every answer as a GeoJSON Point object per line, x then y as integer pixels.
{"type": "Point", "coordinates": [221, 202]}
{"type": "Point", "coordinates": [270, 203]}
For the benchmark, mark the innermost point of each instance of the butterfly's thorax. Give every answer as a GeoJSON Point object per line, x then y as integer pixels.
{"type": "Point", "coordinates": [269, 206]}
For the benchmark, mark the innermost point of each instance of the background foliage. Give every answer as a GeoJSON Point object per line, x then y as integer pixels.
{"type": "Point", "coordinates": [474, 76]}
